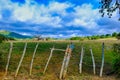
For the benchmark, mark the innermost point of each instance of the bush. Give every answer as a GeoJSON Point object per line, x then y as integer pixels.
{"type": "Point", "coordinates": [2, 38]}
{"type": "Point", "coordinates": [118, 36]}
{"type": "Point", "coordinates": [116, 64]}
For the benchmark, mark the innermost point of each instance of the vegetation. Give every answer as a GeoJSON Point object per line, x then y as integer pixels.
{"type": "Point", "coordinates": [109, 6]}
{"type": "Point", "coordinates": [118, 36]}
{"type": "Point", "coordinates": [94, 37]}
{"type": "Point", "coordinates": [14, 35]}
{"type": "Point", "coordinates": [2, 38]}
{"type": "Point", "coordinates": [116, 65]}
{"type": "Point", "coordinates": [53, 70]}
{"type": "Point", "coordinates": [5, 38]}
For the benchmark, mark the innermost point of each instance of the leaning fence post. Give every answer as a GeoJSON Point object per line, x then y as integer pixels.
{"type": "Point", "coordinates": [93, 60]}
{"type": "Point", "coordinates": [33, 58]}
{"type": "Point", "coordinates": [66, 64]}
{"type": "Point", "coordinates": [9, 56]}
{"type": "Point", "coordinates": [63, 63]}
{"type": "Point", "coordinates": [21, 59]}
{"type": "Point", "coordinates": [102, 65]}
{"type": "Point", "coordinates": [81, 59]}
{"type": "Point", "coordinates": [48, 60]}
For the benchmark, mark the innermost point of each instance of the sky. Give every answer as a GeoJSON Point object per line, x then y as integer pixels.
{"type": "Point", "coordinates": [56, 18]}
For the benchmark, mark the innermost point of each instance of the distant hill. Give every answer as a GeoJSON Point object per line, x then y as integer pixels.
{"type": "Point", "coordinates": [13, 35]}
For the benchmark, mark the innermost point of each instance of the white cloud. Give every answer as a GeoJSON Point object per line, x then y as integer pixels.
{"type": "Point", "coordinates": [85, 16]}
{"type": "Point", "coordinates": [26, 34]}
{"type": "Point", "coordinates": [23, 13]}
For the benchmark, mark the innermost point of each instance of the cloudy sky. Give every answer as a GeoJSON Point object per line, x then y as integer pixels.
{"type": "Point", "coordinates": [55, 18]}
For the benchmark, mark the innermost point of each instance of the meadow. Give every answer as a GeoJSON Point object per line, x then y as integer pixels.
{"type": "Point", "coordinates": [54, 66]}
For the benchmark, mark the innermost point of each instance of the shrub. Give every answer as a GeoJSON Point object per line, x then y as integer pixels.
{"type": "Point", "coordinates": [118, 36]}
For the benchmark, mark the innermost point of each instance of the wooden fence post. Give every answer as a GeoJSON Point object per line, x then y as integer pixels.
{"type": "Point", "coordinates": [48, 60]}
{"type": "Point", "coordinates": [9, 56]}
{"type": "Point", "coordinates": [81, 59]}
{"type": "Point", "coordinates": [21, 59]}
{"type": "Point", "coordinates": [102, 65]}
{"type": "Point", "coordinates": [66, 64]}
{"type": "Point", "coordinates": [33, 58]}
{"type": "Point", "coordinates": [63, 63]}
{"type": "Point", "coordinates": [93, 61]}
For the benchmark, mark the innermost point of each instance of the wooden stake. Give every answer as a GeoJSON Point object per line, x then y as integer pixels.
{"type": "Point", "coordinates": [48, 60]}
{"type": "Point", "coordinates": [59, 49]}
{"type": "Point", "coordinates": [63, 64]}
{"type": "Point", "coordinates": [93, 61]}
{"type": "Point", "coordinates": [21, 59]}
{"type": "Point", "coordinates": [81, 59]}
{"type": "Point", "coordinates": [9, 56]}
{"type": "Point", "coordinates": [33, 58]}
{"type": "Point", "coordinates": [66, 64]}
{"type": "Point", "coordinates": [102, 65]}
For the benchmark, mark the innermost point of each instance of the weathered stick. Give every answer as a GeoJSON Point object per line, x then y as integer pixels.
{"type": "Point", "coordinates": [33, 58]}
{"type": "Point", "coordinates": [93, 61]}
{"type": "Point", "coordinates": [81, 59]}
{"type": "Point", "coordinates": [63, 63]}
{"type": "Point", "coordinates": [21, 59]}
{"type": "Point", "coordinates": [48, 60]}
{"type": "Point", "coordinates": [66, 64]}
{"type": "Point", "coordinates": [9, 56]}
{"type": "Point", "coordinates": [102, 65]}
{"type": "Point", "coordinates": [60, 49]}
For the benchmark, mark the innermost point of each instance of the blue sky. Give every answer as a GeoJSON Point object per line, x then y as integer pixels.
{"type": "Point", "coordinates": [55, 18]}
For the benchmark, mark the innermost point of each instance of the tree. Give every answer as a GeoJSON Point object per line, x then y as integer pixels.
{"type": "Point", "coordinates": [118, 36]}
{"type": "Point", "coordinates": [109, 6]}
{"type": "Point", "coordinates": [114, 34]}
{"type": "Point", "coordinates": [2, 37]}
{"type": "Point", "coordinates": [102, 36]}
{"type": "Point", "coordinates": [108, 35]}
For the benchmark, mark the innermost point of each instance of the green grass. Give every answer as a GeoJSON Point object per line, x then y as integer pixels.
{"type": "Point", "coordinates": [54, 67]}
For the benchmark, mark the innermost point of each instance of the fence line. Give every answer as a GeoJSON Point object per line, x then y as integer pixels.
{"type": "Point", "coordinates": [65, 63]}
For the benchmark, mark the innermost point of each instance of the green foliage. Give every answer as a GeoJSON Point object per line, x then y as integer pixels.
{"type": "Point", "coordinates": [94, 37]}
{"type": "Point", "coordinates": [108, 35]}
{"type": "Point", "coordinates": [77, 38]}
{"type": "Point", "coordinates": [118, 36]}
{"type": "Point", "coordinates": [116, 64]}
{"type": "Point", "coordinates": [102, 36]}
{"type": "Point", "coordinates": [108, 7]}
{"type": "Point", "coordinates": [2, 37]}
{"type": "Point", "coordinates": [2, 62]}
{"type": "Point", "coordinates": [114, 34]}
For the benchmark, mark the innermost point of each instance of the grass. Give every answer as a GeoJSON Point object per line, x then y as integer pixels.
{"type": "Point", "coordinates": [53, 70]}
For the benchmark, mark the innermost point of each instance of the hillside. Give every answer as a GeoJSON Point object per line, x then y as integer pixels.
{"type": "Point", "coordinates": [13, 35]}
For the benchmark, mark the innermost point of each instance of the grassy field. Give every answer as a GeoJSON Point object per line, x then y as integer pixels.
{"type": "Point", "coordinates": [54, 67]}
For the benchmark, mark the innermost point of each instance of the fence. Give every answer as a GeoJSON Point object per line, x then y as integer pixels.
{"type": "Point", "coordinates": [65, 62]}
